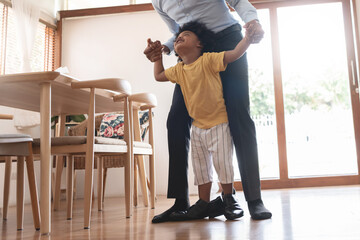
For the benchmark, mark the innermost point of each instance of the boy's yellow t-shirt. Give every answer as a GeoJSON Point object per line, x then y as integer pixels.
{"type": "Point", "coordinates": [202, 88]}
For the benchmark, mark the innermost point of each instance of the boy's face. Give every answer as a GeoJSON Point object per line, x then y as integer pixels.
{"type": "Point", "coordinates": [186, 39]}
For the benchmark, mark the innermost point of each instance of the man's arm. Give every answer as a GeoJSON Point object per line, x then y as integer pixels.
{"type": "Point", "coordinates": [248, 14]}
{"type": "Point", "coordinates": [172, 25]}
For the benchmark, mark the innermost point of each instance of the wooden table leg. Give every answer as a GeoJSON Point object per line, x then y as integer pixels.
{"type": "Point", "coordinates": [89, 161]}
{"type": "Point", "coordinates": [45, 163]}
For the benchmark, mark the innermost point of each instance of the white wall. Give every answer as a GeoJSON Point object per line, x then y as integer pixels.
{"type": "Point", "coordinates": [112, 46]}
{"type": "Point", "coordinates": [47, 6]}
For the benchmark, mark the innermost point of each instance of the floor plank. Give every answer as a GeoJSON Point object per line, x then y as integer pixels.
{"type": "Point", "coordinates": [306, 213]}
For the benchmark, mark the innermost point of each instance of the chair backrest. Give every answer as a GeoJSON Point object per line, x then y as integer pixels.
{"type": "Point", "coordinates": [139, 102]}
{"type": "Point", "coordinates": [114, 84]}
{"type": "Point", "coordinates": [143, 101]}
{"type": "Point", "coordinates": [80, 129]}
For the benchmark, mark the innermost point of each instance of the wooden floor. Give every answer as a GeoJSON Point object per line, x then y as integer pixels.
{"type": "Point", "coordinates": [307, 213]}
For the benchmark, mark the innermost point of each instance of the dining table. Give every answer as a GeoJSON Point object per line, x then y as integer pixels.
{"type": "Point", "coordinates": [49, 93]}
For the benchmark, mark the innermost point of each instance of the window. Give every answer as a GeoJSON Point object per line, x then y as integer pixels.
{"type": "Point", "coordinates": [318, 117]}
{"type": "Point", "coordinates": [304, 110]}
{"type": "Point", "coordinates": [42, 58]}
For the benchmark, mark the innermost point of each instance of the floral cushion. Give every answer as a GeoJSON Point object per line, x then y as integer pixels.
{"type": "Point", "coordinates": [144, 123]}
{"type": "Point", "coordinates": [112, 125]}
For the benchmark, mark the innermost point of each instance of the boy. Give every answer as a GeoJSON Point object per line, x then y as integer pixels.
{"type": "Point", "coordinates": [198, 75]}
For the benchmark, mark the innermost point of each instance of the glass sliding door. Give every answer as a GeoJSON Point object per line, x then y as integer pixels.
{"type": "Point", "coordinates": [318, 115]}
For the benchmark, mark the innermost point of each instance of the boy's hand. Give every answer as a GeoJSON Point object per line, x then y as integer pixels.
{"type": "Point", "coordinates": [250, 33]}
{"type": "Point", "coordinates": [153, 50]}
{"type": "Point", "coordinates": [257, 33]}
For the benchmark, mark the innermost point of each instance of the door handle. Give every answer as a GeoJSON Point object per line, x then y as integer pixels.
{"type": "Point", "coordinates": [354, 78]}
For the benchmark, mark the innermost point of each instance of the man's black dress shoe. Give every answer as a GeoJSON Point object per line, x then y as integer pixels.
{"type": "Point", "coordinates": [232, 207]}
{"type": "Point", "coordinates": [181, 204]}
{"type": "Point", "coordinates": [163, 217]}
{"type": "Point", "coordinates": [197, 211]}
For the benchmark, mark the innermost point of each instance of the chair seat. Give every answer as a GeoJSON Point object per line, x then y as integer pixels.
{"type": "Point", "coordinates": [142, 145]}
{"type": "Point", "coordinates": [77, 140]}
{"type": "Point", "coordinates": [14, 138]}
{"type": "Point", "coordinates": [111, 141]}
{"type": "Point", "coordinates": [14, 144]}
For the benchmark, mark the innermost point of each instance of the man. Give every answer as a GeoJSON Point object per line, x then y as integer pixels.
{"type": "Point", "coordinates": [216, 16]}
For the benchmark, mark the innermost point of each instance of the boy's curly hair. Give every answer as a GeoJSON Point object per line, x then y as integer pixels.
{"type": "Point", "coordinates": [205, 35]}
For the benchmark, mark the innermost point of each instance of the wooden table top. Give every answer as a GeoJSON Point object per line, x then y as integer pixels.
{"type": "Point", "coordinates": [19, 91]}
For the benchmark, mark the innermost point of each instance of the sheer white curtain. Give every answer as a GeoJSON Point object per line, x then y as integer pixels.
{"type": "Point", "coordinates": [27, 13]}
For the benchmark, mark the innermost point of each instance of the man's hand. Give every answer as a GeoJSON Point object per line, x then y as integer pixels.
{"type": "Point", "coordinates": [250, 33]}
{"type": "Point", "coordinates": [153, 50]}
{"type": "Point", "coordinates": [256, 28]}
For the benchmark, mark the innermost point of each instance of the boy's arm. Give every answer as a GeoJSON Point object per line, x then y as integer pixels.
{"type": "Point", "coordinates": [159, 71]}
{"type": "Point", "coordinates": [241, 47]}
{"type": "Point", "coordinates": [237, 52]}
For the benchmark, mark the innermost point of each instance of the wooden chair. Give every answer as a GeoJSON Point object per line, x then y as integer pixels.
{"type": "Point", "coordinates": [19, 145]}
{"type": "Point", "coordinates": [144, 101]}
{"type": "Point", "coordinates": [140, 102]}
{"type": "Point", "coordinates": [105, 161]}
{"type": "Point", "coordinates": [137, 102]}
{"type": "Point", "coordinates": [78, 163]}
{"type": "Point", "coordinates": [90, 145]}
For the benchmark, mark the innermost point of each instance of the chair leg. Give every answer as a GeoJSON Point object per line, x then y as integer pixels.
{"type": "Point", "coordinates": [20, 192]}
{"type": "Point", "coordinates": [8, 163]}
{"type": "Point", "coordinates": [104, 184]}
{"type": "Point", "coordinates": [69, 186]}
{"type": "Point", "coordinates": [142, 176]}
{"type": "Point", "coordinates": [135, 188]}
{"type": "Point", "coordinates": [127, 181]}
{"type": "Point", "coordinates": [100, 165]}
{"type": "Point", "coordinates": [32, 188]}
{"type": "Point", "coordinates": [57, 192]}
{"type": "Point", "coordinates": [152, 180]}
{"type": "Point", "coordinates": [93, 196]}
{"type": "Point", "coordinates": [74, 186]}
